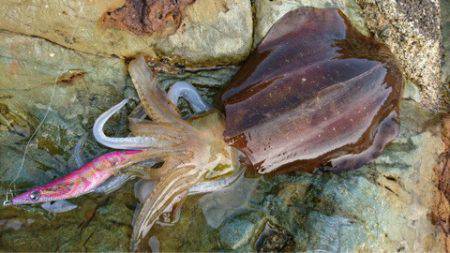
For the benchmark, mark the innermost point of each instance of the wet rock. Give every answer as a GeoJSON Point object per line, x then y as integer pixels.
{"type": "Point", "coordinates": [333, 233]}
{"type": "Point", "coordinates": [13, 224]}
{"type": "Point", "coordinates": [55, 94]}
{"type": "Point", "coordinates": [274, 239]}
{"type": "Point", "coordinates": [411, 29]}
{"type": "Point", "coordinates": [98, 225]}
{"type": "Point", "coordinates": [239, 230]}
{"type": "Point", "coordinates": [209, 31]}
{"type": "Point", "coordinates": [219, 205]}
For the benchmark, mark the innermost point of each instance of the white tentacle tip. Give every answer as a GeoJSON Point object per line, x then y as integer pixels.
{"type": "Point", "coordinates": [124, 101]}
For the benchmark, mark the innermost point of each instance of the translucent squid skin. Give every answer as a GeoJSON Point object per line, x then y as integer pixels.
{"type": "Point", "coordinates": [81, 181]}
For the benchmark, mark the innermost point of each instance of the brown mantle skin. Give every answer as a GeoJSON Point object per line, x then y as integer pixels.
{"type": "Point", "coordinates": [145, 17]}
{"type": "Point", "coordinates": [315, 92]}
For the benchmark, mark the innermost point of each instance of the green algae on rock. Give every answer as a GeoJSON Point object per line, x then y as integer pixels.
{"type": "Point", "coordinates": [39, 82]}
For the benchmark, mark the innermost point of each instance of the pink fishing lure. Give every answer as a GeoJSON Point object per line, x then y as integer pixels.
{"type": "Point", "coordinates": [79, 182]}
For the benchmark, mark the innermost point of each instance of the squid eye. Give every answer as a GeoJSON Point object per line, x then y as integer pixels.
{"type": "Point", "coordinates": [35, 195]}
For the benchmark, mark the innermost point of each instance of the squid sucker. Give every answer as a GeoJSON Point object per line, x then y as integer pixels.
{"type": "Point", "coordinates": [315, 94]}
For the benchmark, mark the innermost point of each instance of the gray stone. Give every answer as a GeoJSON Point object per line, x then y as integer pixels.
{"type": "Point", "coordinates": [411, 91]}
{"type": "Point", "coordinates": [333, 233]}
{"type": "Point", "coordinates": [239, 230]}
{"type": "Point", "coordinates": [412, 31]}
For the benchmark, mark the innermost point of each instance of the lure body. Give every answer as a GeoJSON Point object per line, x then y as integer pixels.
{"type": "Point", "coordinates": [81, 181]}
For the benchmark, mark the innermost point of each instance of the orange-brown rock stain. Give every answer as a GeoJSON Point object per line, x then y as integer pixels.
{"type": "Point", "coordinates": [440, 215]}
{"type": "Point", "coordinates": [145, 17]}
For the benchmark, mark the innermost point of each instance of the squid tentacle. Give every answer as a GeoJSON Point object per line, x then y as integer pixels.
{"type": "Point", "coordinates": [177, 182]}
{"type": "Point", "coordinates": [153, 99]}
{"type": "Point", "coordinates": [148, 172]}
{"type": "Point", "coordinates": [143, 187]}
{"type": "Point", "coordinates": [164, 131]}
{"type": "Point", "coordinates": [215, 185]}
{"type": "Point", "coordinates": [113, 183]}
{"type": "Point", "coordinates": [59, 206]}
{"type": "Point", "coordinates": [137, 114]}
{"type": "Point", "coordinates": [141, 142]}
{"type": "Point", "coordinates": [190, 93]}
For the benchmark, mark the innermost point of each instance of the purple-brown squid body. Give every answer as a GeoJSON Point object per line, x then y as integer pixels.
{"type": "Point", "coordinates": [315, 90]}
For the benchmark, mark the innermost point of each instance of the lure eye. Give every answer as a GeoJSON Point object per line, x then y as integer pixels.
{"type": "Point", "coordinates": [35, 195]}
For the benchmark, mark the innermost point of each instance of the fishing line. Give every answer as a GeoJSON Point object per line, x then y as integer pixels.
{"type": "Point", "coordinates": [41, 123]}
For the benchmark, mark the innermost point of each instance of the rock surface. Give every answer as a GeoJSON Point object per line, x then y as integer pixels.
{"type": "Point", "coordinates": [211, 31]}
{"type": "Point", "coordinates": [50, 95]}
{"type": "Point", "coordinates": [40, 81]}
{"type": "Point", "coordinates": [445, 26]}
{"type": "Point", "coordinates": [49, 98]}
{"type": "Point", "coordinates": [412, 31]}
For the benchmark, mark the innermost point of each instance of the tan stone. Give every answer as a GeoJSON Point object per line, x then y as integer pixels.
{"type": "Point", "coordinates": [211, 31]}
